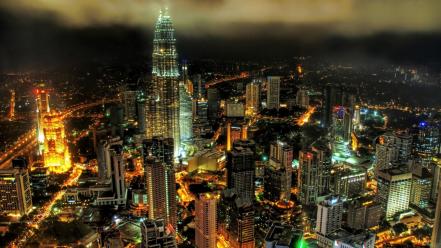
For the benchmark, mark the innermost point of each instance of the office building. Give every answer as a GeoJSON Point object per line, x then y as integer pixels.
{"type": "Point", "coordinates": [421, 187]}
{"type": "Point", "coordinates": [394, 186]}
{"type": "Point", "coordinates": [313, 176]}
{"type": "Point", "coordinates": [213, 101]}
{"type": "Point", "coordinates": [363, 213]}
{"type": "Point", "coordinates": [273, 92]}
{"type": "Point", "coordinates": [162, 104]}
{"type": "Point", "coordinates": [302, 98]}
{"type": "Point", "coordinates": [15, 189]}
{"type": "Point", "coordinates": [392, 147]}
{"type": "Point", "coordinates": [283, 236]}
{"type": "Point", "coordinates": [206, 220]}
{"type": "Point", "coordinates": [129, 102]}
{"type": "Point", "coordinates": [329, 215]}
{"type": "Point", "coordinates": [161, 191]}
{"type": "Point", "coordinates": [281, 157]}
{"type": "Point", "coordinates": [154, 235]}
{"type": "Point", "coordinates": [348, 181]}
{"type": "Point", "coordinates": [241, 169]}
{"type": "Point", "coordinates": [111, 189]}
{"type": "Point", "coordinates": [185, 108]}
{"type": "Point", "coordinates": [252, 95]}
{"type": "Point", "coordinates": [236, 220]}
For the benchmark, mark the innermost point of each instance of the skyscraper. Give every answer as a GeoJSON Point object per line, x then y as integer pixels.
{"type": "Point", "coordinates": [273, 93]}
{"type": "Point", "coordinates": [241, 169]}
{"type": "Point", "coordinates": [162, 105]}
{"type": "Point", "coordinates": [236, 219]}
{"type": "Point", "coordinates": [206, 220]}
{"type": "Point", "coordinates": [302, 98]}
{"type": "Point", "coordinates": [252, 98]}
{"type": "Point", "coordinates": [313, 177]}
{"type": "Point", "coordinates": [394, 186]}
{"type": "Point", "coordinates": [281, 156]}
{"type": "Point", "coordinates": [329, 215]}
{"type": "Point", "coordinates": [161, 191]}
{"type": "Point", "coordinates": [185, 110]}
{"type": "Point", "coordinates": [15, 190]}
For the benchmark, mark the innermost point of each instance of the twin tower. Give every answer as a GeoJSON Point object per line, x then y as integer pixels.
{"type": "Point", "coordinates": [162, 103]}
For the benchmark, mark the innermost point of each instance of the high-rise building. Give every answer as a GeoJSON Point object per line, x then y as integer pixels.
{"type": "Point", "coordinates": [206, 220]}
{"type": "Point", "coordinates": [213, 101]}
{"type": "Point", "coordinates": [421, 186]}
{"type": "Point", "coordinates": [236, 220]}
{"type": "Point", "coordinates": [329, 215]}
{"type": "Point", "coordinates": [313, 178]}
{"type": "Point", "coordinates": [273, 92]}
{"type": "Point", "coordinates": [435, 169]}
{"type": "Point", "coordinates": [185, 109]}
{"type": "Point", "coordinates": [155, 235]}
{"type": "Point", "coordinates": [427, 138]}
{"type": "Point", "coordinates": [111, 170]}
{"type": "Point", "coordinates": [162, 105]}
{"type": "Point", "coordinates": [394, 186]}
{"type": "Point", "coordinates": [129, 101]}
{"type": "Point", "coordinates": [349, 181]}
{"type": "Point", "coordinates": [15, 189]}
{"type": "Point", "coordinates": [302, 98]}
{"type": "Point", "coordinates": [283, 236]}
{"type": "Point", "coordinates": [43, 108]}
{"type": "Point", "coordinates": [161, 191]}
{"type": "Point", "coordinates": [392, 147]}
{"type": "Point", "coordinates": [252, 98]}
{"type": "Point", "coordinates": [363, 214]}
{"type": "Point", "coordinates": [281, 157]}
{"type": "Point", "coordinates": [55, 152]}
{"type": "Point", "coordinates": [241, 169]}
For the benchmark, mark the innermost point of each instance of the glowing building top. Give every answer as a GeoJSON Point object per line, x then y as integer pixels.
{"type": "Point", "coordinates": [164, 48]}
{"type": "Point", "coordinates": [162, 106]}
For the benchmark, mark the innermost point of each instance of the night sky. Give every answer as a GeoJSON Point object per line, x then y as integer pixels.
{"type": "Point", "coordinates": [52, 33]}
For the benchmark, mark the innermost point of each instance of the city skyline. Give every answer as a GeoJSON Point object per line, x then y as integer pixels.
{"type": "Point", "coordinates": [220, 124]}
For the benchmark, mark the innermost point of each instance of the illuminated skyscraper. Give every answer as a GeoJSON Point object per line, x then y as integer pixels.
{"type": "Point", "coordinates": [185, 110]}
{"type": "Point", "coordinates": [329, 215]}
{"type": "Point", "coordinates": [162, 105]}
{"type": "Point", "coordinates": [394, 187]}
{"type": "Point", "coordinates": [161, 191]}
{"type": "Point", "coordinates": [206, 221]}
{"type": "Point", "coordinates": [15, 190]}
{"type": "Point", "coordinates": [55, 152]}
{"type": "Point", "coordinates": [273, 93]}
{"type": "Point", "coordinates": [313, 177]}
{"type": "Point", "coordinates": [42, 102]}
{"type": "Point", "coordinates": [252, 98]}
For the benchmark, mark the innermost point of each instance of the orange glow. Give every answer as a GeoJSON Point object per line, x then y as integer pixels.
{"type": "Point", "coordinates": [304, 118]}
{"type": "Point", "coordinates": [56, 154]}
{"type": "Point", "coordinates": [228, 136]}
